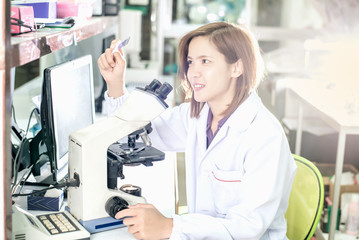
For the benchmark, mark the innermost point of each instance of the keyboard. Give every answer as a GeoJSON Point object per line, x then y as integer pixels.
{"type": "Point", "coordinates": [56, 223]}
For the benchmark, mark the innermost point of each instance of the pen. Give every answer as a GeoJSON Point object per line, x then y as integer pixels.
{"type": "Point", "coordinates": [120, 45]}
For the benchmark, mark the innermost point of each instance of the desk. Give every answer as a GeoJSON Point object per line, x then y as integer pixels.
{"type": "Point", "coordinates": [115, 234]}
{"type": "Point", "coordinates": [333, 107]}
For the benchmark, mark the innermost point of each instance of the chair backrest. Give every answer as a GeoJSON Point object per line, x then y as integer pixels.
{"type": "Point", "coordinates": [305, 201]}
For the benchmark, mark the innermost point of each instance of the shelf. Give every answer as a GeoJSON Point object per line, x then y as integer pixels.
{"type": "Point", "coordinates": [262, 33]}
{"type": "Point", "coordinates": [31, 46]}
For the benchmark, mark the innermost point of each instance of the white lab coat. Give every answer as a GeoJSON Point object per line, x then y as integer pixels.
{"type": "Point", "coordinates": [238, 187]}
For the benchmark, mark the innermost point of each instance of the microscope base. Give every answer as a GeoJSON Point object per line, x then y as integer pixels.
{"type": "Point", "coordinates": [102, 224]}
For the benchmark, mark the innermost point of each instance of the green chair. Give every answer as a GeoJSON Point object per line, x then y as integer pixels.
{"type": "Point", "coordinates": [305, 201]}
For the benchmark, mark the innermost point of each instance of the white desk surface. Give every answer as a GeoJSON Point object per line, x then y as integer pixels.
{"type": "Point", "coordinates": [115, 234]}
{"type": "Point", "coordinates": [340, 108]}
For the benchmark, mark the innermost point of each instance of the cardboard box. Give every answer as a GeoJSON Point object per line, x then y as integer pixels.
{"type": "Point", "coordinates": [41, 203]}
{"type": "Point", "coordinates": [343, 189]}
{"type": "Point", "coordinates": [24, 14]}
{"type": "Point", "coordinates": [328, 170]}
{"type": "Point", "coordinates": [42, 8]}
{"type": "Point", "coordinates": [68, 9]}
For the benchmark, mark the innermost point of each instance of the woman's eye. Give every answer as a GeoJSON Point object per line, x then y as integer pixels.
{"type": "Point", "coordinates": [205, 61]}
{"type": "Point", "coordinates": [189, 62]}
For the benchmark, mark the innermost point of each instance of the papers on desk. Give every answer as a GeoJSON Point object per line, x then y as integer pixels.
{"type": "Point", "coordinates": [47, 20]}
{"type": "Point", "coordinates": [54, 23]}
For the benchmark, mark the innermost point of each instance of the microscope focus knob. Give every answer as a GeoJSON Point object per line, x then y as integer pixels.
{"type": "Point", "coordinates": [114, 205]}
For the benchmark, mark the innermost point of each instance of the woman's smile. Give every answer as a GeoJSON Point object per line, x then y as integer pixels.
{"type": "Point", "coordinates": [198, 86]}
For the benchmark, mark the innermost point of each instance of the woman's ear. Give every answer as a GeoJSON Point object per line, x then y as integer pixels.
{"type": "Point", "coordinates": [237, 68]}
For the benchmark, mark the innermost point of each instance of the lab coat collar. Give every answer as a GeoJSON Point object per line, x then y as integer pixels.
{"type": "Point", "coordinates": [240, 120]}
{"type": "Point", "coordinates": [243, 116]}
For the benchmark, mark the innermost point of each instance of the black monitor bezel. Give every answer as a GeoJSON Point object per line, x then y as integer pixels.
{"type": "Point", "coordinates": [47, 113]}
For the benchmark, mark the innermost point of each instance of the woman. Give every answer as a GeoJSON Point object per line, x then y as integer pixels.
{"type": "Point", "coordinates": [239, 168]}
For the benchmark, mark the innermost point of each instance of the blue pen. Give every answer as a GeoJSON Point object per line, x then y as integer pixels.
{"type": "Point", "coordinates": [120, 45]}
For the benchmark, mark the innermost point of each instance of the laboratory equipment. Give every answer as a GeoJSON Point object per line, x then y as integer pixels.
{"type": "Point", "coordinates": [67, 104]}
{"type": "Point", "coordinates": [89, 149]}
{"type": "Point", "coordinates": [53, 226]}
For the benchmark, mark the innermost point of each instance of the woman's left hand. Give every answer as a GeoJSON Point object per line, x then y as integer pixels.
{"type": "Point", "coordinates": [144, 221]}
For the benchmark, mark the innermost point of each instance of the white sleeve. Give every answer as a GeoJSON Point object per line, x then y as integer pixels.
{"type": "Point", "coordinates": [199, 226]}
{"type": "Point", "coordinates": [170, 129]}
{"type": "Point", "coordinates": [112, 104]}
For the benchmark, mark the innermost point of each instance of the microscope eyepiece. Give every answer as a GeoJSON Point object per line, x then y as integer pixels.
{"type": "Point", "coordinates": [164, 90]}
{"type": "Point", "coordinates": [158, 89]}
{"type": "Point", "coordinates": [153, 86]}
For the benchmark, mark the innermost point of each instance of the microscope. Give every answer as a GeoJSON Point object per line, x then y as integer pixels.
{"type": "Point", "coordinates": [96, 158]}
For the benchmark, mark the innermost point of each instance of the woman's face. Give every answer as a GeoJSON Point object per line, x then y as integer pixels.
{"type": "Point", "coordinates": [211, 77]}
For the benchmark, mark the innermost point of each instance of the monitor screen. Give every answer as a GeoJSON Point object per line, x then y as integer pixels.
{"type": "Point", "coordinates": [67, 104]}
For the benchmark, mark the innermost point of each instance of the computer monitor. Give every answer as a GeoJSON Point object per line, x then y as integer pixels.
{"type": "Point", "coordinates": [67, 104]}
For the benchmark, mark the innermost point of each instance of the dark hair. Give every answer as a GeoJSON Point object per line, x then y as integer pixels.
{"type": "Point", "coordinates": [234, 42]}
